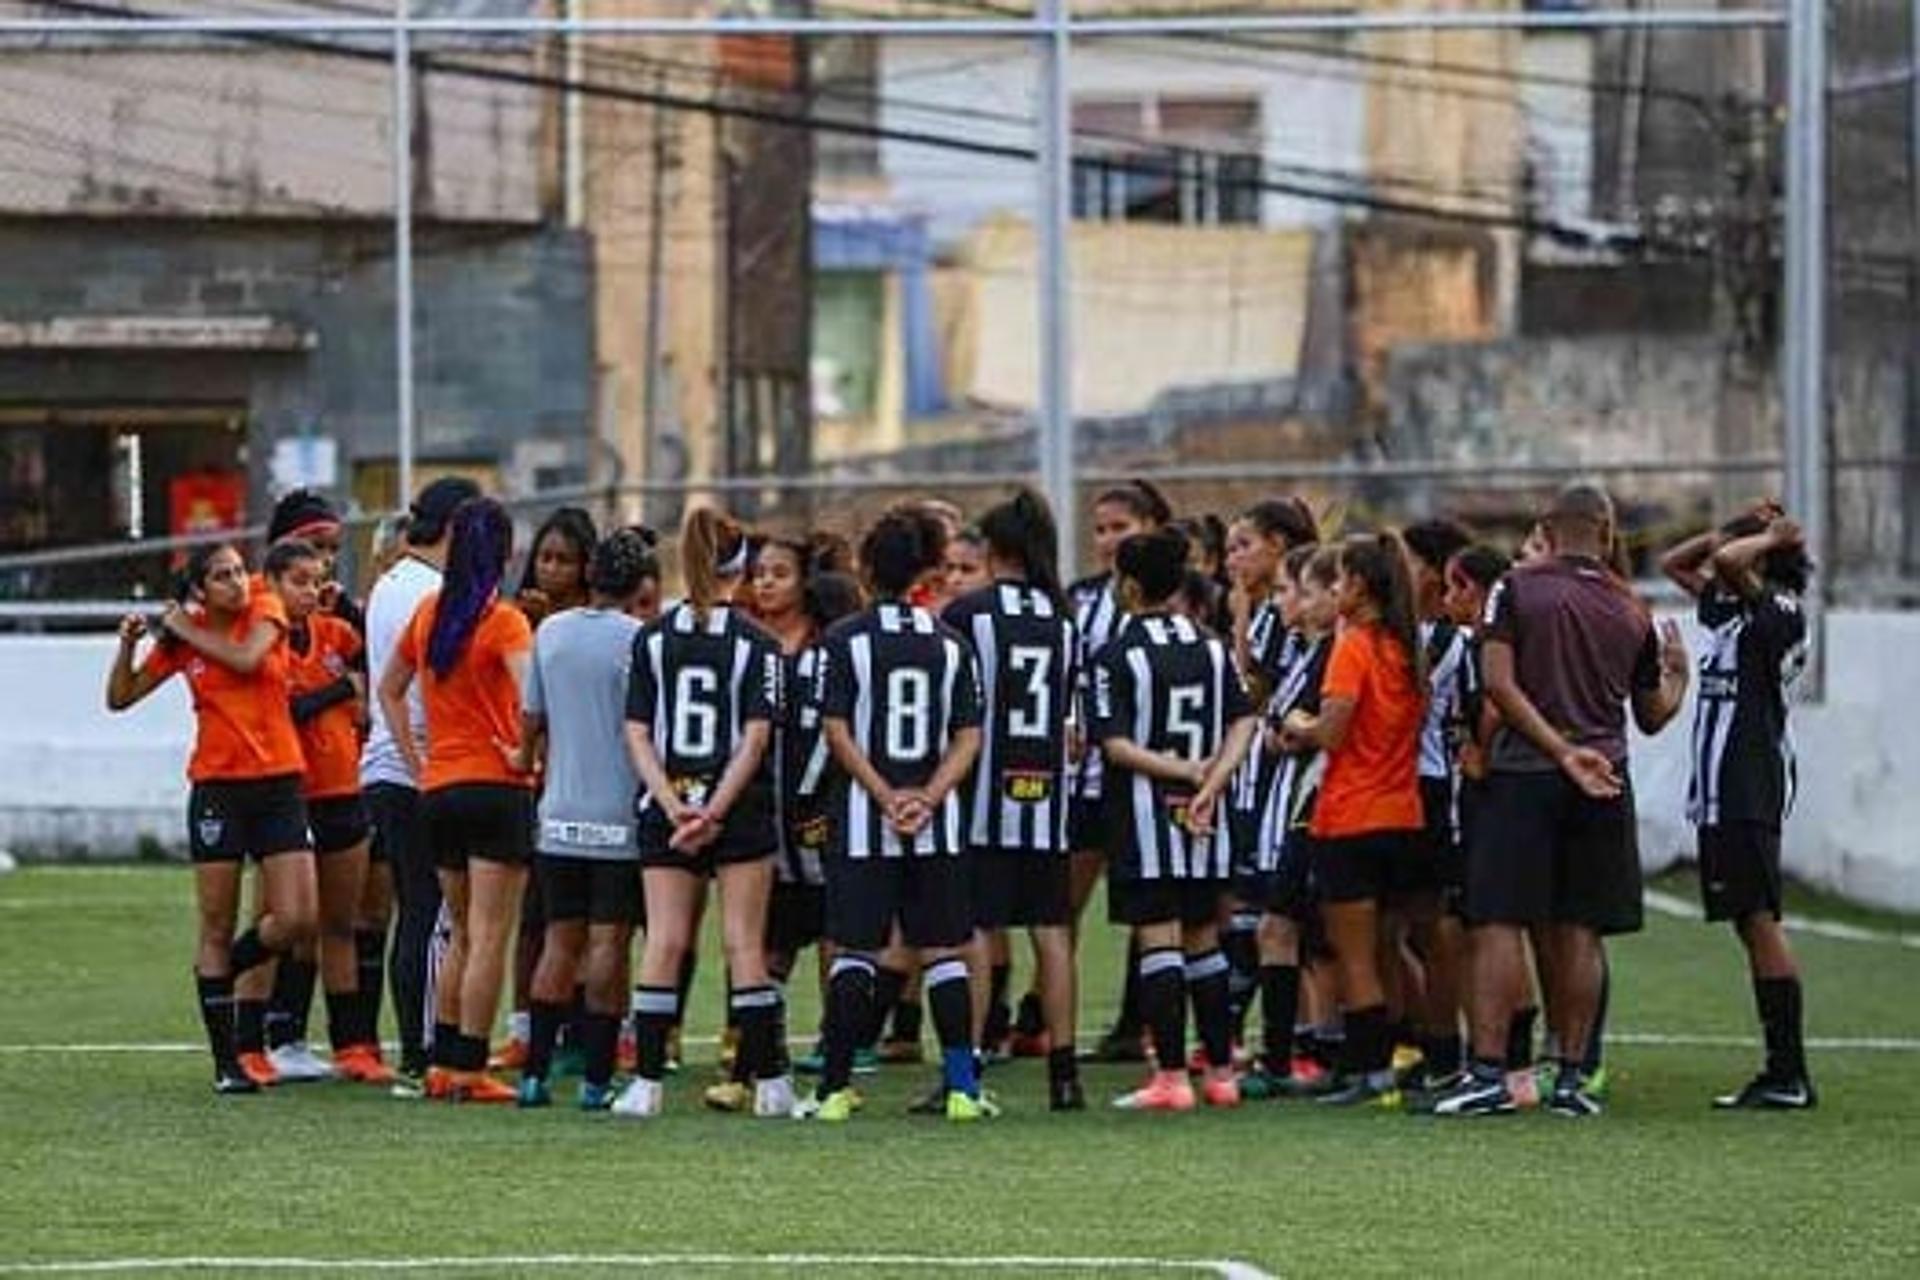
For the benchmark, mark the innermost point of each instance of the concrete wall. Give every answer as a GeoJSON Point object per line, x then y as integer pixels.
{"type": "Point", "coordinates": [77, 781]}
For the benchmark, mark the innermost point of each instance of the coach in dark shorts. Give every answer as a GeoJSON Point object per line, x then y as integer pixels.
{"type": "Point", "coordinates": [1567, 647]}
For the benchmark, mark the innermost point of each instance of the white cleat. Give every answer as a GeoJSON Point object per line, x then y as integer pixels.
{"type": "Point", "coordinates": [640, 1100]}
{"type": "Point", "coordinates": [298, 1064]}
{"type": "Point", "coordinates": [774, 1098]}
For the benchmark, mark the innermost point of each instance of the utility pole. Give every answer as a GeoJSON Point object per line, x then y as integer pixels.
{"type": "Point", "coordinates": [651, 390]}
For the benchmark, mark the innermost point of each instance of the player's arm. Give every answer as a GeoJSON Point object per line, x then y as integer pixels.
{"type": "Point", "coordinates": [1124, 753]}
{"type": "Point", "coordinates": [1325, 731]}
{"type": "Point", "coordinates": [1657, 698]}
{"type": "Point", "coordinates": [392, 692]}
{"type": "Point", "coordinates": [962, 751]}
{"type": "Point", "coordinates": [244, 655]}
{"type": "Point", "coordinates": [127, 685]}
{"type": "Point", "coordinates": [1736, 563]}
{"type": "Point", "coordinates": [1233, 750]}
{"type": "Point", "coordinates": [1686, 565]}
{"type": "Point", "coordinates": [1590, 770]}
{"type": "Point", "coordinates": [848, 755]}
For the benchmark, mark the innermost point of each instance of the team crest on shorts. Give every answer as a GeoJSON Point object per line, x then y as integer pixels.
{"type": "Point", "coordinates": [211, 829]}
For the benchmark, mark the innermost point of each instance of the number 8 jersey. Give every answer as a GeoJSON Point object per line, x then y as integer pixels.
{"type": "Point", "coordinates": [904, 684]}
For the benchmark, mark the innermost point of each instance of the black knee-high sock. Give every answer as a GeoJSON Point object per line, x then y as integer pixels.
{"type": "Point", "coordinates": [347, 1021]}
{"type": "Point", "coordinates": [656, 1010]}
{"type": "Point", "coordinates": [600, 1038]}
{"type": "Point", "coordinates": [1132, 1016]}
{"type": "Point", "coordinates": [370, 963]}
{"type": "Point", "coordinates": [907, 1019]}
{"type": "Point", "coordinates": [951, 999]}
{"type": "Point", "coordinates": [1520, 1038]}
{"type": "Point", "coordinates": [756, 1011]}
{"type": "Point", "coordinates": [1163, 1004]}
{"type": "Point", "coordinates": [249, 952]}
{"type": "Point", "coordinates": [1207, 983]}
{"type": "Point", "coordinates": [544, 1019]}
{"type": "Point", "coordinates": [850, 1018]}
{"type": "Point", "coordinates": [1279, 1006]}
{"type": "Point", "coordinates": [887, 986]}
{"type": "Point", "coordinates": [1597, 1033]}
{"type": "Point", "coordinates": [217, 1016]}
{"type": "Point", "coordinates": [999, 1023]}
{"type": "Point", "coordinates": [574, 1031]}
{"type": "Point", "coordinates": [249, 1025]}
{"type": "Point", "coordinates": [689, 966]}
{"type": "Point", "coordinates": [292, 997]}
{"type": "Point", "coordinates": [1239, 944]}
{"type": "Point", "coordinates": [1778, 1001]}
{"type": "Point", "coordinates": [1369, 1047]}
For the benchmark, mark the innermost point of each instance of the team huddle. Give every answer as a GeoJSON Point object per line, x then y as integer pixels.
{"type": "Point", "coordinates": [1370, 790]}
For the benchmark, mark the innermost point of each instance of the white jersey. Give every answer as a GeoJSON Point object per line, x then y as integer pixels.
{"type": "Point", "coordinates": [390, 609]}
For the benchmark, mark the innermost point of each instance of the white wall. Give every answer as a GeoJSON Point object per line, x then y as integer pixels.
{"type": "Point", "coordinates": [1312, 111]}
{"type": "Point", "coordinates": [75, 779]}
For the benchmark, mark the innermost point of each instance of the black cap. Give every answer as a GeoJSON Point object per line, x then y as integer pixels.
{"type": "Point", "coordinates": [297, 510]}
{"type": "Point", "coordinates": [435, 506]}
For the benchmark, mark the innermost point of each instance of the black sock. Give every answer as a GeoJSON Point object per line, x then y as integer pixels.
{"type": "Point", "coordinates": [574, 1033]}
{"type": "Point", "coordinates": [248, 952]}
{"type": "Point", "coordinates": [950, 996]}
{"type": "Point", "coordinates": [1030, 1019]}
{"type": "Point", "coordinates": [1520, 1038]}
{"type": "Point", "coordinates": [1279, 1006]}
{"type": "Point", "coordinates": [1132, 1015]}
{"type": "Point", "coordinates": [1597, 1033]}
{"type": "Point", "coordinates": [1369, 1048]}
{"type": "Point", "coordinates": [1487, 1070]}
{"type": "Point", "coordinates": [544, 1018]}
{"type": "Point", "coordinates": [1778, 1001]}
{"type": "Point", "coordinates": [217, 1016]}
{"type": "Point", "coordinates": [600, 1038]}
{"type": "Point", "coordinates": [782, 1060]}
{"type": "Point", "coordinates": [446, 1053]}
{"type": "Point", "coordinates": [655, 1011]}
{"type": "Point", "coordinates": [293, 984]}
{"type": "Point", "coordinates": [689, 965]}
{"type": "Point", "coordinates": [850, 1016]}
{"type": "Point", "coordinates": [756, 1011]}
{"type": "Point", "coordinates": [249, 1025]}
{"type": "Point", "coordinates": [370, 962]}
{"type": "Point", "coordinates": [999, 1024]}
{"type": "Point", "coordinates": [1443, 1054]}
{"type": "Point", "coordinates": [887, 986]}
{"type": "Point", "coordinates": [1207, 982]}
{"type": "Point", "coordinates": [1063, 1064]}
{"type": "Point", "coordinates": [1163, 1002]}
{"type": "Point", "coordinates": [1240, 944]}
{"type": "Point", "coordinates": [470, 1052]}
{"type": "Point", "coordinates": [344, 1025]}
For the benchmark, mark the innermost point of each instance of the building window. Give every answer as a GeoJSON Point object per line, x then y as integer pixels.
{"type": "Point", "coordinates": [849, 308]}
{"type": "Point", "coordinates": [1191, 161]}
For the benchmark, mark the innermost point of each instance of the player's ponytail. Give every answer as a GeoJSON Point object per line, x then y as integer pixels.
{"type": "Point", "coordinates": [713, 552]}
{"type": "Point", "coordinates": [1379, 561]}
{"type": "Point", "coordinates": [482, 540]}
{"type": "Point", "coordinates": [1021, 531]}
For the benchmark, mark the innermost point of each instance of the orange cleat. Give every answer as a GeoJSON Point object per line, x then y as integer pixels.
{"type": "Point", "coordinates": [478, 1086]}
{"type": "Point", "coordinates": [361, 1064]}
{"type": "Point", "coordinates": [258, 1067]}
{"type": "Point", "coordinates": [512, 1057]}
{"type": "Point", "coordinates": [1220, 1088]}
{"type": "Point", "coordinates": [1163, 1091]}
{"type": "Point", "coordinates": [439, 1084]}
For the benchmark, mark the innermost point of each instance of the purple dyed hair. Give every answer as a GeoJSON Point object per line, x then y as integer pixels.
{"type": "Point", "coordinates": [476, 561]}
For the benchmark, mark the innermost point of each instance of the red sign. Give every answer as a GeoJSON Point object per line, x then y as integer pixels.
{"type": "Point", "coordinates": [206, 501]}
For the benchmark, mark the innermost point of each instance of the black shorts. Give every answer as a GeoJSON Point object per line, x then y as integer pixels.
{"type": "Point", "coordinates": [1435, 864]}
{"type": "Point", "coordinates": [1144, 902]}
{"type": "Point", "coordinates": [486, 820]}
{"type": "Point", "coordinates": [338, 823]}
{"type": "Point", "coordinates": [928, 895]}
{"type": "Point", "coordinates": [246, 820]}
{"type": "Point", "coordinates": [596, 890]}
{"type": "Point", "coordinates": [398, 837]}
{"type": "Point", "coordinates": [1546, 853]}
{"type": "Point", "coordinates": [1021, 889]}
{"type": "Point", "coordinates": [747, 835]}
{"type": "Point", "coordinates": [1289, 889]}
{"type": "Point", "coordinates": [1740, 870]}
{"type": "Point", "coordinates": [1373, 865]}
{"type": "Point", "coordinates": [796, 918]}
{"type": "Point", "coordinates": [1086, 832]}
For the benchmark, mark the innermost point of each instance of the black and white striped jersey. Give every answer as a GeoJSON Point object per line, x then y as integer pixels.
{"type": "Point", "coordinates": [1271, 648]}
{"type": "Point", "coordinates": [1169, 687]}
{"type": "Point", "coordinates": [1096, 616]}
{"type": "Point", "coordinates": [801, 764]}
{"type": "Point", "coordinates": [696, 684]}
{"type": "Point", "coordinates": [1029, 668]}
{"type": "Point", "coordinates": [1447, 655]}
{"type": "Point", "coordinates": [1297, 779]}
{"type": "Point", "coordinates": [905, 684]}
{"type": "Point", "coordinates": [1743, 763]}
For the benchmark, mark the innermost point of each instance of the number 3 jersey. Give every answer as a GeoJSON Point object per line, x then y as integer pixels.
{"type": "Point", "coordinates": [1028, 652]}
{"type": "Point", "coordinates": [696, 685]}
{"type": "Point", "coordinates": [905, 685]}
{"type": "Point", "coordinates": [1168, 687]}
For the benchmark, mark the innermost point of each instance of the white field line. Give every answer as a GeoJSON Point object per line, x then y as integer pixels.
{"type": "Point", "coordinates": [1668, 904]}
{"type": "Point", "coordinates": [198, 1046]}
{"type": "Point", "coordinates": [1222, 1269]}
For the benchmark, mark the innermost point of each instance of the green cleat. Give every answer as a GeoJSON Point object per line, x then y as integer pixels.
{"type": "Point", "coordinates": [837, 1107]}
{"type": "Point", "coordinates": [965, 1109]}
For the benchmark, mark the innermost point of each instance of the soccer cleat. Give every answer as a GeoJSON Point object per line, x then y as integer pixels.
{"type": "Point", "coordinates": [511, 1057]}
{"type": "Point", "coordinates": [569, 1062]}
{"type": "Point", "coordinates": [674, 1057]}
{"type": "Point", "coordinates": [1219, 1088]}
{"type": "Point", "coordinates": [1259, 1084]}
{"type": "Point", "coordinates": [361, 1064]}
{"type": "Point", "coordinates": [596, 1097]}
{"type": "Point", "coordinates": [297, 1063]}
{"type": "Point", "coordinates": [1573, 1102]}
{"type": "Point", "coordinates": [773, 1099]}
{"type": "Point", "coordinates": [866, 1062]}
{"type": "Point", "coordinates": [233, 1081]}
{"type": "Point", "coordinates": [533, 1093]}
{"type": "Point", "coordinates": [812, 1062]}
{"type": "Point", "coordinates": [1477, 1096]}
{"type": "Point", "coordinates": [439, 1084]}
{"type": "Point", "coordinates": [729, 1096]}
{"type": "Point", "coordinates": [898, 1052]}
{"type": "Point", "coordinates": [258, 1067]}
{"type": "Point", "coordinates": [836, 1108]}
{"type": "Point", "coordinates": [1029, 1044]}
{"type": "Point", "coordinates": [640, 1100]}
{"type": "Point", "coordinates": [729, 1049]}
{"type": "Point", "coordinates": [407, 1088]}
{"type": "Point", "coordinates": [1066, 1095]}
{"type": "Point", "coordinates": [1306, 1075]}
{"type": "Point", "coordinates": [1524, 1085]}
{"type": "Point", "coordinates": [1406, 1058]}
{"type": "Point", "coordinates": [1598, 1081]}
{"type": "Point", "coordinates": [1377, 1092]}
{"type": "Point", "coordinates": [1769, 1093]}
{"type": "Point", "coordinates": [933, 1102]}
{"type": "Point", "coordinates": [481, 1088]}
{"type": "Point", "coordinates": [1163, 1091]}
{"type": "Point", "coordinates": [964, 1108]}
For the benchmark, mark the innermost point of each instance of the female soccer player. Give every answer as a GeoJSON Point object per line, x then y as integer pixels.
{"type": "Point", "coordinates": [900, 703]}
{"type": "Point", "coordinates": [1368, 810]}
{"type": "Point", "coordinates": [470, 651]}
{"type": "Point", "coordinates": [586, 853]}
{"type": "Point", "coordinates": [327, 683]}
{"type": "Point", "coordinates": [229, 644]}
{"type": "Point", "coordinates": [702, 698]}
{"type": "Point", "coordinates": [1749, 577]}
{"type": "Point", "coordinates": [1174, 723]}
{"type": "Point", "coordinates": [966, 563]}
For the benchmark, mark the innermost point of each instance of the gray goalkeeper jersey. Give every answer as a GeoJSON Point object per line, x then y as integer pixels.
{"type": "Point", "coordinates": [581, 660]}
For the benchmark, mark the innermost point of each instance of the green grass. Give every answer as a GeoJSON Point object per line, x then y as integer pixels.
{"type": "Point", "coordinates": [130, 1154]}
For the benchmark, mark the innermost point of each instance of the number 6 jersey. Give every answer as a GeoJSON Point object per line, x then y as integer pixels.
{"type": "Point", "coordinates": [904, 684]}
{"type": "Point", "coordinates": [696, 684]}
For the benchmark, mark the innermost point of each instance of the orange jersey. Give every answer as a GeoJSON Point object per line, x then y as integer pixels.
{"type": "Point", "coordinates": [477, 706]}
{"type": "Point", "coordinates": [1372, 781]}
{"type": "Point", "coordinates": [243, 727]}
{"type": "Point", "coordinates": [331, 740]}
